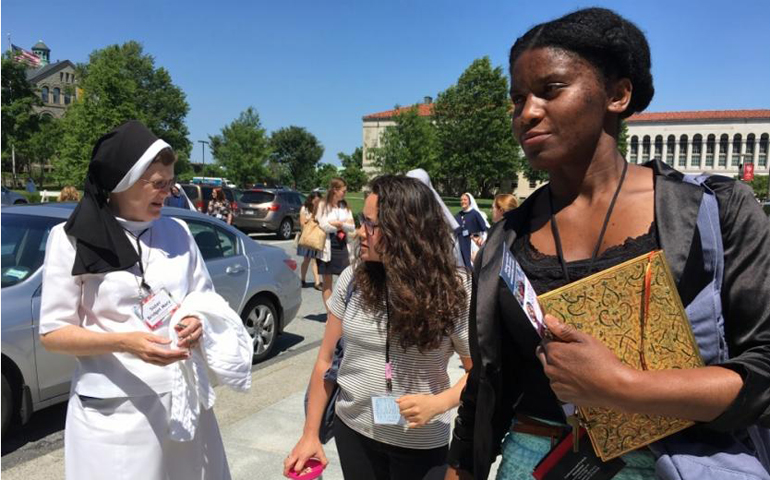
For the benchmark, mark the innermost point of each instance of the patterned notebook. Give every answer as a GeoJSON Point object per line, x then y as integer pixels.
{"type": "Point", "coordinates": [610, 305]}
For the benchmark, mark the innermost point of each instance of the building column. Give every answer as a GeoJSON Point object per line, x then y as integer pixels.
{"type": "Point", "coordinates": [688, 160]}
{"type": "Point", "coordinates": [675, 162]}
{"type": "Point", "coordinates": [716, 151]}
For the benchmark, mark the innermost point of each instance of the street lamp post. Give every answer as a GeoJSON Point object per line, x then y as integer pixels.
{"type": "Point", "coordinates": [203, 151]}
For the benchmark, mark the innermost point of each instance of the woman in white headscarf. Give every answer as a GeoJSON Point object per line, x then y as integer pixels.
{"type": "Point", "coordinates": [422, 175]}
{"type": "Point", "coordinates": [473, 228]}
{"type": "Point", "coordinates": [113, 276]}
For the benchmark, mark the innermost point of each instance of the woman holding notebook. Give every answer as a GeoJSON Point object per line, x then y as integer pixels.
{"type": "Point", "coordinates": [572, 82]}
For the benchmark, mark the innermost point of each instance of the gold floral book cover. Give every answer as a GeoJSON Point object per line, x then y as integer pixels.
{"type": "Point", "coordinates": [635, 310]}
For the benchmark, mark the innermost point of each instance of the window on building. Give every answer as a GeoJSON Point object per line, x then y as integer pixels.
{"type": "Point", "coordinates": [67, 97]}
{"type": "Point", "coordinates": [532, 183]}
{"type": "Point", "coordinates": [61, 76]}
{"type": "Point", "coordinates": [56, 95]}
{"type": "Point", "coordinates": [634, 156]}
{"type": "Point", "coordinates": [724, 142]}
{"type": "Point", "coordinates": [764, 146]}
{"type": "Point", "coordinates": [658, 147]}
{"type": "Point", "coordinates": [515, 183]}
{"type": "Point", "coordinates": [735, 159]}
{"type": "Point", "coordinates": [670, 147]}
{"type": "Point", "coordinates": [645, 148]}
{"type": "Point", "coordinates": [751, 140]}
{"type": "Point", "coordinates": [697, 150]}
{"type": "Point", "coordinates": [682, 162]}
{"type": "Point", "coordinates": [710, 147]}
{"type": "Point", "coordinates": [44, 94]}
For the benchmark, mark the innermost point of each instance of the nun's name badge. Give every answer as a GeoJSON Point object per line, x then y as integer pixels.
{"type": "Point", "coordinates": [156, 308]}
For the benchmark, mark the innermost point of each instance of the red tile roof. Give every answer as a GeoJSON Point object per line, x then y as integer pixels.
{"type": "Point", "coordinates": [423, 109]}
{"type": "Point", "coordinates": [426, 110]}
{"type": "Point", "coordinates": [699, 115]}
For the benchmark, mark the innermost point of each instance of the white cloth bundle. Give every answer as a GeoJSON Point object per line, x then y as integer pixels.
{"type": "Point", "coordinates": [223, 356]}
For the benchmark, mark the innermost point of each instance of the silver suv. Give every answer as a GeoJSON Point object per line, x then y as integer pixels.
{"type": "Point", "coordinates": [269, 210]}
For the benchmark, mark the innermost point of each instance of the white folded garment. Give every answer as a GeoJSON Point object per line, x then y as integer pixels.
{"type": "Point", "coordinates": [223, 356]}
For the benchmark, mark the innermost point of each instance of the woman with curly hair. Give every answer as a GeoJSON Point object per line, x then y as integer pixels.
{"type": "Point", "coordinates": [573, 80]}
{"type": "Point", "coordinates": [400, 325]}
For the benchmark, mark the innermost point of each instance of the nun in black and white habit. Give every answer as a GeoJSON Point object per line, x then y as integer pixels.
{"type": "Point", "coordinates": [114, 275]}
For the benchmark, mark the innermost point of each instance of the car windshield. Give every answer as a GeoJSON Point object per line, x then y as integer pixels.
{"type": "Point", "coordinates": [257, 197]}
{"type": "Point", "coordinates": [23, 245]}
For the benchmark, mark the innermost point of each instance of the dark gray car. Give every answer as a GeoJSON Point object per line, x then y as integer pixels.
{"type": "Point", "coordinates": [258, 281]}
{"type": "Point", "coordinates": [269, 210]}
{"type": "Point", "coordinates": [12, 198]}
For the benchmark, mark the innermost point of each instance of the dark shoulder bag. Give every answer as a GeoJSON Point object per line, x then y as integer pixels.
{"type": "Point", "coordinates": [326, 432]}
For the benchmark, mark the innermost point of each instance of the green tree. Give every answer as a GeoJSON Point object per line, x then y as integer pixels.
{"type": "Point", "coordinates": [119, 83]}
{"type": "Point", "coordinates": [242, 148]}
{"type": "Point", "coordinates": [19, 120]}
{"type": "Point", "coordinates": [324, 174]}
{"type": "Point", "coordinates": [353, 169]}
{"type": "Point", "coordinates": [623, 138]}
{"type": "Point", "coordinates": [759, 185]}
{"type": "Point", "coordinates": [298, 151]}
{"type": "Point", "coordinates": [40, 147]}
{"type": "Point", "coordinates": [474, 131]}
{"type": "Point", "coordinates": [410, 143]}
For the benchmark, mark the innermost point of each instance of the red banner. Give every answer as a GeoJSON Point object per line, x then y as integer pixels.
{"type": "Point", "coordinates": [748, 172]}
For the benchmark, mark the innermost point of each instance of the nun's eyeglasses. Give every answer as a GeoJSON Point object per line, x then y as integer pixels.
{"type": "Point", "coordinates": [160, 184]}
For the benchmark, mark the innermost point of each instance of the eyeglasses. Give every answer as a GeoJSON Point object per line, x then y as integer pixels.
{"type": "Point", "coordinates": [368, 225]}
{"type": "Point", "coordinates": [159, 184]}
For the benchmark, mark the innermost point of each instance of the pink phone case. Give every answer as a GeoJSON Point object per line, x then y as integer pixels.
{"type": "Point", "coordinates": [316, 469]}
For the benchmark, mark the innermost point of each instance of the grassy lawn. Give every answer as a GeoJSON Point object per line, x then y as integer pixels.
{"type": "Point", "coordinates": [356, 203]}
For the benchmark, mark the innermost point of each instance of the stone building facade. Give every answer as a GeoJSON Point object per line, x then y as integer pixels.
{"type": "Point", "coordinates": [56, 82]}
{"type": "Point", "coordinates": [702, 141]}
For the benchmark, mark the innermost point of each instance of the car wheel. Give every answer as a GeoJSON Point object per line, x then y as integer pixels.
{"type": "Point", "coordinates": [7, 405]}
{"type": "Point", "coordinates": [261, 321]}
{"type": "Point", "coordinates": [285, 229]}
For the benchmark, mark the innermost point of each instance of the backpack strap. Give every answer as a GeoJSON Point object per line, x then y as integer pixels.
{"type": "Point", "coordinates": [705, 310]}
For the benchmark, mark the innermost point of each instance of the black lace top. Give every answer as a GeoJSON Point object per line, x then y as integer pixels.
{"type": "Point", "coordinates": [545, 272]}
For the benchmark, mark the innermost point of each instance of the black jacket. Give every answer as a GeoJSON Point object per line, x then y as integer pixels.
{"type": "Point", "coordinates": [491, 394]}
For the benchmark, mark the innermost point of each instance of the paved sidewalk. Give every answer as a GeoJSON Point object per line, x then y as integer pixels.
{"type": "Point", "coordinates": [257, 445]}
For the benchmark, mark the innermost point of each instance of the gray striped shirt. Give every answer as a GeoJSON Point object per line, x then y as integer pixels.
{"type": "Point", "coordinates": [362, 372]}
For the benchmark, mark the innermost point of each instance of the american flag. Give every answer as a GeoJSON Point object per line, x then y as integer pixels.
{"type": "Point", "coordinates": [24, 56]}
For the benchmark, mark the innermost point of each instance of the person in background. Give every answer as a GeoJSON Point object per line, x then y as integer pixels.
{"type": "Point", "coordinates": [473, 226]}
{"type": "Point", "coordinates": [309, 255]}
{"type": "Point", "coordinates": [176, 199]}
{"type": "Point", "coordinates": [219, 207]}
{"type": "Point", "coordinates": [573, 80]}
{"type": "Point", "coordinates": [69, 194]}
{"type": "Point", "coordinates": [504, 202]}
{"type": "Point", "coordinates": [30, 186]}
{"type": "Point", "coordinates": [337, 222]}
{"type": "Point", "coordinates": [400, 326]}
{"type": "Point", "coordinates": [114, 255]}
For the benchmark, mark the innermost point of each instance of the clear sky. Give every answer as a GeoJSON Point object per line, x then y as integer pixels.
{"type": "Point", "coordinates": [325, 64]}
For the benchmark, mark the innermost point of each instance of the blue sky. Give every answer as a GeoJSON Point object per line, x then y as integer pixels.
{"type": "Point", "coordinates": [325, 64]}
